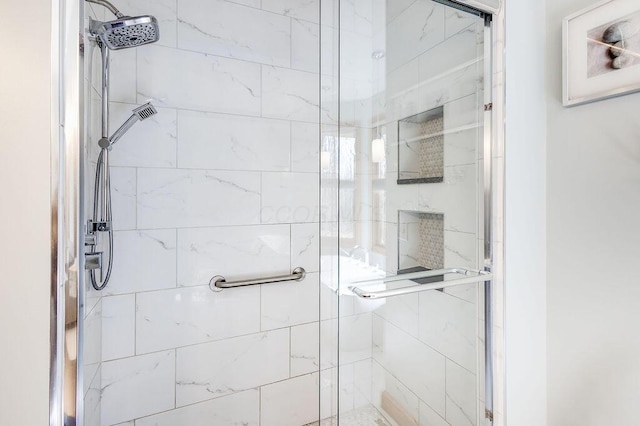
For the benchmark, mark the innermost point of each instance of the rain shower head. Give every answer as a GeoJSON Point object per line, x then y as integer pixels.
{"type": "Point", "coordinates": [127, 31]}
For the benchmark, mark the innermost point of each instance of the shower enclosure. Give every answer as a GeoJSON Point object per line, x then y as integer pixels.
{"type": "Point", "coordinates": [305, 229]}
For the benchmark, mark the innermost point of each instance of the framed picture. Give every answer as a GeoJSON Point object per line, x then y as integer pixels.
{"type": "Point", "coordinates": [601, 52]}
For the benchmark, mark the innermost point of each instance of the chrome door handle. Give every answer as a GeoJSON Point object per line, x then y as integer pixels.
{"type": "Point", "coordinates": [467, 277]}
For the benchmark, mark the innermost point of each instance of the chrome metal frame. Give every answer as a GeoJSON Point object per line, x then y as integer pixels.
{"type": "Point", "coordinates": [67, 277]}
{"type": "Point", "coordinates": [218, 282]}
{"type": "Point", "coordinates": [567, 99]}
{"type": "Point", "coordinates": [469, 277]}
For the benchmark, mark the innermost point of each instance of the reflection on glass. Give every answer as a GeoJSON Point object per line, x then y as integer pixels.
{"type": "Point", "coordinates": [411, 111]}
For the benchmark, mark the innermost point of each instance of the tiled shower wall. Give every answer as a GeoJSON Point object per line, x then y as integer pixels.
{"type": "Point", "coordinates": [222, 181]}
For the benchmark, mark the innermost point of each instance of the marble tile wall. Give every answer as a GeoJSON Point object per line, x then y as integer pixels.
{"type": "Point", "coordinates": [222, 181]}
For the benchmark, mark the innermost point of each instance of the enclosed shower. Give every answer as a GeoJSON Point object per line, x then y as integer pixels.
{"type": "Point", "coordinates": [298, 218]}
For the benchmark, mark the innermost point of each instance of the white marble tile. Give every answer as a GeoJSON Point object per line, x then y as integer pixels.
{"type": "Point", "coordinates": [403, 79]}
{"type": "Point", "coordinates": [242, 408]}
{"type": "Point", "coordinates": [403, 312]}
{"type": "Point", "coordinates": [305, 347]}
{"type": "Point", "coordinates": [289, 94]}
{"type": "Point", "coordinates": [363, 382]}
{"type": "Point", "coordinates": [186, 316]}
{"type": "Point", "coordinates": [450, 88]}
{"type": "Point", "coordinates": [456, 197]}
{"type": "Point", "coordinates": [462, 399]}
{"type": "Point", "coordinates": [428, 417]}
{"type": "Point", "coordinates": [457, 20]}
{"type": "Point", "coordinates": [459, 49]}
{"type": "Point", "coordinates": [93, 69]}
{"type": "Point", "coordinates": [355, 340]}
{"type": "Point", "coordinates": [231, 30]}
{"type": "Point", "coordinates": [123, 78]}
{"type": "Point", "coordinates": [449, 325]}
{"type": "Point", "coordinates": [417, 29]}
{"type": "Point", "coordinates": [463, 112]}
{"type": "Point", "coordinates": [143, 260]}
{"type": "Point", "coordinates": [385, 383]}
{"type": "Point", "coordinates": [252, 3]}
{"type": "Point", "coordinates": [228, 366]}
{"type": "Point", "coordinates": [289, 197]}
{"type": "Point", "coordinates": [416, 365]}
{"type": "Point", "coordinates": [231, 142]}
{"type": "Point", "coordinates": [396, 7]}
{"type": "Point", "coordinates": [460, 249]}
{"type": "Point", "coordinates": [328, 395]}
{"type": "Point", "coordinates": [150, 143]}
{"type": "Point", "coordinates": [462, 146]}
{"type": "Point", "coordinates": [190, 80]}
{"type": "Point", "coordinates": [305, 147]}
{"type": "Point", "coordinates": [123, 198]}
{"type": "Point", "coordinates": [290, 303]}
{"type": "Point", "coordinates": [293, 402]}
{"type": "Point", "coordinates": [299, 9]}
{"type": "Point", "coordinates": [232, 252]}
{"type": "Point", "coordinates": [163, 10]}
{"type": "Point", "coordinates": [92, 334]}
{"type": "Point", "coordinates": [92, 401]}
{"type": "Point", "coordinates": [356, 16]}
{"type": "Point", "coordinates": [138, 386]}
{"type": "Point", "coordinates": [118, 326]}
{"type": "Point", "coordinates": [305, 246]}
{"type": "Point", "coordinates": [356, 63]}
{"type": "Point", "coordinates": [346, 387]}
{"type": "Point", "coordinates": [305, 46]}
{"type": "Point", "coordinates": [169, 198]}
{"type": "Point", "coordinates": [89, 376]}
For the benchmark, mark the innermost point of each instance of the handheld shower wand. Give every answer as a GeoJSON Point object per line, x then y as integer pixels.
{"type": "Point", "coordinates": [139, 114]}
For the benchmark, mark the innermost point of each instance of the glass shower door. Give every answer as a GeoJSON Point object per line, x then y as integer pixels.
{"type": "Point", "coordinates": [403, 188]}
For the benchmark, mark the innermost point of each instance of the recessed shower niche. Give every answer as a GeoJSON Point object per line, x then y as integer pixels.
{"type": "Point", "coordinates": [420, 241]}
{"type": "Point", "coordinates": [421, 147]}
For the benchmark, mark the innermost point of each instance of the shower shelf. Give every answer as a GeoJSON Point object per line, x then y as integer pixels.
{"type": "Point", "coordinates": [466, 276]}
{"type": "Point", "coordinates": [218, 283]}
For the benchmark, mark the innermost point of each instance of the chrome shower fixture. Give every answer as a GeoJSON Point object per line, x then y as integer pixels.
{"type": "Point", "coordinates": [139, 114]}
{"type": "Point", "coordinates": [126, 31]}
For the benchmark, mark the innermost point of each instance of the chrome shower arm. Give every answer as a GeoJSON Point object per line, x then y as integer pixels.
{"type": "Point", "coordinates": [109, 6]}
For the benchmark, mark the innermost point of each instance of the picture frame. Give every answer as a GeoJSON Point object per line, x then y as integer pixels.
{"type": "Point", "coordinates": [601, 52]}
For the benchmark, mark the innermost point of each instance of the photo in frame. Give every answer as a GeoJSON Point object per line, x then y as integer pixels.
{"type": "Point", "coordinates": [601, 52]}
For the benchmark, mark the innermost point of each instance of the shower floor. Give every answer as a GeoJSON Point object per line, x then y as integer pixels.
{"type": "Point", "coordinates": [365, 416]}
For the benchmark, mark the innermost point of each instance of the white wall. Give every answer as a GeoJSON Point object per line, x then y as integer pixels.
{"type": "Point", "coordinates": [525, 225]}
{"type": "Point", "coordinates": [593, 250]}
{"type": "Point", "coordinates": [24, 211]}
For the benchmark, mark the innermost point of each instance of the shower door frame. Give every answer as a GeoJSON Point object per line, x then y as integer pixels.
{"type": "Point", "coordinates": [493, 204]}
{"type": "Point", "coordinates": [67, 198]}
{"type": "Point", "coordinates": [67, 215]}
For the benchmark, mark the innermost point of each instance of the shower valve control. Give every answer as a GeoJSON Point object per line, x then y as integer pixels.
{"type": "Point", "coordinates": [93, 261]}
{"type": "Point", "coordinates": [99, 226]}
